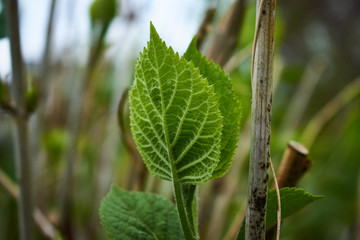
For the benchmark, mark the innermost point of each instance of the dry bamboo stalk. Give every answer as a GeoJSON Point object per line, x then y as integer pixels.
{"type": "Point", "coordinates": [263, 55]}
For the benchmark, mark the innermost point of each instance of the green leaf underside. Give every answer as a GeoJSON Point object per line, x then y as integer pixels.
{"type": "Point", "coordinates": [135, 215]}
{"type": "Point", "coordinates": [292, 201]}
{"type": "Point", "coordinates": [174, 115]}
{"type": "Point", "coordinates": [229, 105]}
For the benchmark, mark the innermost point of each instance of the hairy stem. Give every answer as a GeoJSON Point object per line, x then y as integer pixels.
{"type": "Point", "coordinates": [262, 65]}
{"type": "Point", "coordinates": [180, 204]}
{"type": "Point", "coordinates": [23, 161]}
{"type": "Point", "coordinates": [190, 199]}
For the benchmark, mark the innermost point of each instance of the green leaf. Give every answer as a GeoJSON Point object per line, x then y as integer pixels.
{"type": "Point", "coordinates": [135, 215]}
{"type": "Point", "coordinates": [292, 200]}
{"type": "Point", "coordinates": [229, 105]}
{"type": "Point", "coordinates": [174, 115]}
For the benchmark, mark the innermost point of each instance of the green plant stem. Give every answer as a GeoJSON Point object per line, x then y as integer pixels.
{"type": "Point", "coordinates": [185, 224]}
{"type": "Point", "coordinates": [23, 159]}
{"type": "Point", "coordinates": [190, 199]}
{"type": "Point", "coordinates": [179, 198]}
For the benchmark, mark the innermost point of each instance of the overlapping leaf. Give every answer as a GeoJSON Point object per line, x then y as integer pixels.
{"type": "Point", "coordinates": [229, 105]}
{"type": "Point", "coordinates": [174, 115]}
{"type": "Point", "coordinates": [134, 215]}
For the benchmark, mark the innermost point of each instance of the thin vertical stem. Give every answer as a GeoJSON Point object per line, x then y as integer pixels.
{"type": "Point", "coordinates": [262, 66]}
{"type": "Point", "coordinates": [23, 163]}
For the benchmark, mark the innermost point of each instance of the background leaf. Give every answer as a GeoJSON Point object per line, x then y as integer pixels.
{"type": "Point", "coordinates": [229, 105]}
{"type": "Point", "coordinates": [174, 115]}
{"type": "Point", "coordinates": [292, 201]}
{"type": "Point", "coordinates": [135, 215]}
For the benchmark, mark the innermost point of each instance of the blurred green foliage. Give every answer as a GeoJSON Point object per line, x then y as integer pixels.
{"type": "Point", "coordinates": [2, 19]}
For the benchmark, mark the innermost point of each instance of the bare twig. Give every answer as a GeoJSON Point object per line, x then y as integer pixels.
{"type": "Point", "coordinates": [260, 119]}
{"type": "Point", "coordinates": [227, 33]}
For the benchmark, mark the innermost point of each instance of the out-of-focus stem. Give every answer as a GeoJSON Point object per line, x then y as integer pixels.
{"type": "Point", "coordinates": [227, 33]}
{"type": "Point", "coordinates": [298, 103]}
{"type": "Point", "coordinates": [205, 27]}
{"type": "Point", "coordinates": [40, 219]}
{"type": "Point", "coordinates": [136, 179]}
{"type": "Point", "coordinates": [345, 96]}
{"type": "Point", "coordinates": [22, 150]}
{"type": "Point", "coordinates": [74, 125]}
{"type": "Point", "coordinates": [47, 53]}
{"type": "Point", "coordinates": [263, 55]}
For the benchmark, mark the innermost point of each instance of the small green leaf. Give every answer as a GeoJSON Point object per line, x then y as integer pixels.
{"type": "Point", "coordinates": [229, 105]}
{"type": "Point", "coordinates": [292, 201]}
{"type": "Point", "coordinates": [135, 215]}
{"type": "Point", "coordinates": [174, 115]}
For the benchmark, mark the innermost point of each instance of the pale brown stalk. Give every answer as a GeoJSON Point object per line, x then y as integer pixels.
{"type": "Point", "coordinates": [262, 67]}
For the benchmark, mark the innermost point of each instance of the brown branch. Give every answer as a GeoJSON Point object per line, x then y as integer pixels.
{"type": "Point", "coordinates": [227, 34]}
{"type": "Point", "coordinates": [294, 164]}
{"type": "Point", "coordinates": [205, 27]}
